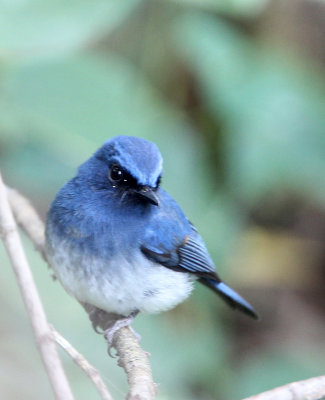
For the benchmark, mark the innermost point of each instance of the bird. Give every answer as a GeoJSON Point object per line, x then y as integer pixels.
{"type": "Point", "coordinates": [119, 242]}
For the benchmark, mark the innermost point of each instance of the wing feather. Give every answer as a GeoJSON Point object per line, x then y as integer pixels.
{"type": "Point", "coordinates": [190, 255]}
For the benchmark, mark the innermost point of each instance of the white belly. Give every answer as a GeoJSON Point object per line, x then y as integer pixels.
{"type": "Point", "coordinates": [119, 285]}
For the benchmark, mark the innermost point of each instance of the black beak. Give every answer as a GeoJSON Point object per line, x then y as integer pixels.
{"type": "Point", "coordinates": [148, 193]}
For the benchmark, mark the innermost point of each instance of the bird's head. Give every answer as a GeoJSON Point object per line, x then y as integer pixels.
{"type": "Point", "coordinates": [128, 166]}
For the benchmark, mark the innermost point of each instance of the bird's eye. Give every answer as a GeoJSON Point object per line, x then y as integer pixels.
{"type": "Point", "coordinates": [116, 174]}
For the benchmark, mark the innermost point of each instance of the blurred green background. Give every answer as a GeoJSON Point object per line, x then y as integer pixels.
{"type": "Point", "coordinates": [232, 91]}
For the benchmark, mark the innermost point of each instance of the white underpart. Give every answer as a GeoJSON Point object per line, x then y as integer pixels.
{"type": "Point", "coordinates": [119, 285]}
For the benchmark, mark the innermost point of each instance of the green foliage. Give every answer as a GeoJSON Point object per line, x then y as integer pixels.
{"type": "Point", "coordinates": [272, 112]}
{"type": "Point", "coordinates": [35, 29]}
{"type": "Point", "coordinates": [237, 119]}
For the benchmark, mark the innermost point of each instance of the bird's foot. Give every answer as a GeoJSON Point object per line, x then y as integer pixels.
{"type": "Point", "coordinates": [120, 323]}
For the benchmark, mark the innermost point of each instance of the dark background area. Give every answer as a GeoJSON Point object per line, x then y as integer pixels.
{"type": "Point", "coordinates": [233, 94]}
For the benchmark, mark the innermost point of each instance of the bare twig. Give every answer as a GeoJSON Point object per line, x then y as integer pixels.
{"type": "Point", "coordinates": [310, 389]}
{"type": "Point", "coordinates": [27, 218]}
{"type": "Point", "coordinates": [36, 314]}
{"type": "Point", "coordinates": [81, 361]}
{"type": "Point", "coordinates": [136, 365]}
{"type": "Point", "coordinates": [133, 359]}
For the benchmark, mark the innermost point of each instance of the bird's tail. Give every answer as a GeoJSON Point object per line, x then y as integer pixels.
{"type": "Point", "coordinates": [230, 296]}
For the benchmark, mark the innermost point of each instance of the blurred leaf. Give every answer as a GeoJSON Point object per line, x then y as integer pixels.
{"type": "Point", "coordinates": [273, 111]}
{"type": "Point", "coordinates": [83, 97]}
{"type": "Point", "coordinates": [222, 226]}
{"type": "Point", "coordinates": [275, 259]}
{"type": "Point", "coordinates": [58, 107]}
{"type": "Point", "coordinates": [32, 28]}
{"type": "Point", "coordinates": [69, 107]}
{"type": "Point", "coordinates": [234, 7]}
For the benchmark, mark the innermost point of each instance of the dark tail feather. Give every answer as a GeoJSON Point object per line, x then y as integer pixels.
{"type": "Point", "coordinates": [230, 296]}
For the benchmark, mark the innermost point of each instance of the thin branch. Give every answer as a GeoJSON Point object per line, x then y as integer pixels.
{"type": "Point", "coordinates": [133, 359]}
{"type": "Point", "coordinates": [28, 219]}
{"type": "Point", "coordinates": [81, 361]}
{"type": "Point", "coordinates": [35, 311]}
{"type": "Point", "coordinates": [310, 389]}
{"type": "Point", "coordinates": [136, 365]}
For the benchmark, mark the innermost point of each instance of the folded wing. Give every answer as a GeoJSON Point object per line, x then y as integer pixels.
{"type": "Point", "coordinates": [189, 254]}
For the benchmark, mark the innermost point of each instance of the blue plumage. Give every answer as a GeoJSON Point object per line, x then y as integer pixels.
{"type": "Point", "coordinates": [118, 241]}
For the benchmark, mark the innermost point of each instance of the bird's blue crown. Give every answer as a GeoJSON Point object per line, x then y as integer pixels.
{"type": "Point", "coordinates": [138, 157]}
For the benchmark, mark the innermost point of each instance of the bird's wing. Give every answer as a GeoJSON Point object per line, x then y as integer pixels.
{"type": "Point", "coordinates": [180, 251]}
{"type": "Point", "coordinates": [176, 244]}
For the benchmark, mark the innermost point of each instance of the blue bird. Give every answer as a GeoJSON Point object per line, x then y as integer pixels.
{"type": "Point", "coordinates": [119, 242]}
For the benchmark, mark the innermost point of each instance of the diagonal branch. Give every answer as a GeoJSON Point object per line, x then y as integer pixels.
{"type": "Point", "coordinates": [310, 389]}
{"type": "Point", "coordinates": [28, 219]}
{"type": "Point", "coordinates": [80, 360]}
{"type": "Point", "coordinates": [132, 358]}
{"type": "Point", "coordinates": [35, 311]}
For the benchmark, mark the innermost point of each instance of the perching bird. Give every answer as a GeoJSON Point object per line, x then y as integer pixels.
{"type": "Point", "coordinates": [117, 241]}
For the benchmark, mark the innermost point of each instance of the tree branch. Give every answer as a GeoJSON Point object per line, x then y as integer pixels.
{"type": "Point", "coordinates": [310, 389]}
{"type": "Point", "coordinates": [136, 365]}
{"type": "Point", "coordinates": [81, 361]}
{"type": "Point", "coordinates": [35, 311]}
{"type": "Point", "coordinates": [28, 219]}
{"type": "Point", "coordinates": [132, 358]}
